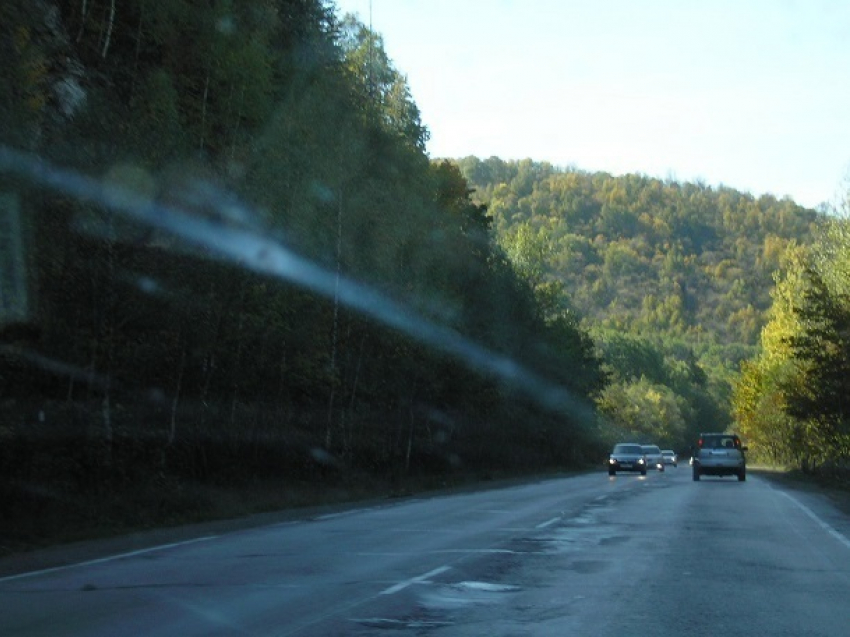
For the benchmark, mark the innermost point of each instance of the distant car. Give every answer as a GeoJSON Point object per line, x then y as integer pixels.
{"type": "Point", "coordinates": [719, 455]}
{"type": "Point", "coordinates": [626, 457]}
{"type": "Point", "coordinates": [654, 458]}
{"type": "Point", "coordinates": [670, 457]}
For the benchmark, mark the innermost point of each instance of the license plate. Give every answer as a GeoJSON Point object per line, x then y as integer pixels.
{"type": "Point", "coordinates": [626, 464]}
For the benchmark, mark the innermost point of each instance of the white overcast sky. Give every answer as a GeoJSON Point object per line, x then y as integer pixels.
{"type": "Point", "coordinates": [753, 94]}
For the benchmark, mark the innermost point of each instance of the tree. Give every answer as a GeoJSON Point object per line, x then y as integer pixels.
{"type": "Point", "coordinates": [645, 410]}
{"type": "Point", "coordinates": [376, 76]}
{"type": "Point", "coordinates": [528, 251]}
{"type": "Point", "coordinates": [822, 348]}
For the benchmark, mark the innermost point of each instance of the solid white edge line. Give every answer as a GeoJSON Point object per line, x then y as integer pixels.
{"type": "Point", "coordinates": [826, 527]}
{"type": "Point", "coordinates": [102, 560]}
{"type": "Point", "coordinates": [413, 580]}
{"type": "Point", "coordinates": [543, 525]}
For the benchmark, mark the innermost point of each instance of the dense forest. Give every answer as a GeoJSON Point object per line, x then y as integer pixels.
{"type": "Point", "coordinates": [243, 266]}
{"type": "Point", "coordinates": [791, 399]}
{"type": "Point", "coordinates": [229, 260]}
{"type": "Point", "coordinates": [642, 254]}
{"type": "Point", "coordinates": [673, 280]}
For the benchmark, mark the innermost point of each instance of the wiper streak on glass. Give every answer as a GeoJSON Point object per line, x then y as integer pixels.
{"type": "Point", "coordinates": [266, 256]}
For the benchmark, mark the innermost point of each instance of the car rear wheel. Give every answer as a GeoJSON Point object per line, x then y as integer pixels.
{"type": "Point", "coordinates": [742, 475]}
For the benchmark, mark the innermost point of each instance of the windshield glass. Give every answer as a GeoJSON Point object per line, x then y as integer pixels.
{"type": "Point", "coordinates": [267, 261]}
{"type": "Point", "coordinates": [635, 449]}
{"type": "Point", "coordinates": [720, 442]}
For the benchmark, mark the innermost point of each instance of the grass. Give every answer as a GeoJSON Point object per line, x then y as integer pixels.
{"type": "Point", "coordinates": [835, 487]}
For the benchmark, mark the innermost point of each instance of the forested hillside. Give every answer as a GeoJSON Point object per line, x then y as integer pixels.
{"type": "Point", "coordinates": [228, 262]}
{"type": "Point", "coordinates": [242, 266]}
{"type": "Point", "coordinates": [672, 279]}
{"type": "Point", "coordinates": [646, 255]}
{"type": "Point", "coordinates": [791, 399]}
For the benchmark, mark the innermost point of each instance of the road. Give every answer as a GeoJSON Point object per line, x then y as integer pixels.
{"type": "Point", "coordinates": [584, 555]}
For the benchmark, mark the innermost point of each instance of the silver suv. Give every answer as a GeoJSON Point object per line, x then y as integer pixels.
{"type": "Point", "coordinates": [719, 455]}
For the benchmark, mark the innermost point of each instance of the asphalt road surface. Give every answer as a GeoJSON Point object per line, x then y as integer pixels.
{"type": "Point", "coordinates": [586, 555]}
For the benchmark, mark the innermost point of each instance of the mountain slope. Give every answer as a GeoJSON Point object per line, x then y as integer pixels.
{"type": "Point", "coordinates": [647, 255]}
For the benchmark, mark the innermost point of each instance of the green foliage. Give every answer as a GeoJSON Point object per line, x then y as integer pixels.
{"type": "Point", "coordinates": [822, 348]}
{"type": "Point", "coordinates": [269, 117]}
{"type": "Point", "coordinates": [380, 83]}
{"type": "Point", "coordinates": [528, 250]}
{"type": "Point", "coordinates": [645, 254]}
{"type": "Point", "coordinates": [156, 127]}
{"type": "Point", "coordinates": [25, 75]}
{"type": "Point", "coordinates": [675, 278]}
{"type": "Point", "coordinates": [647, 411]}
{"type": "Point", "coordinates": [635, 362]}
{"type": "Point", "coordinates": [634, 255]}
{"type": "Point", "coordinates": [628, 357]}
{"type": "Point", "coordinates": [791, 398]}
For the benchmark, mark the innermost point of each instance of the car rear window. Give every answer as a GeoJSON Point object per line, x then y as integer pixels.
{"type": "Point", "coordinates": [627, 449]}
{"type": "Point", "coordinates": [719, 442]}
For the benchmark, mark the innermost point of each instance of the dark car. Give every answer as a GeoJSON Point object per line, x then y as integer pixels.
{"type": "Point", "coordinates": [719, 455]}
{"type": "Point", "coordinates": [626, 457]}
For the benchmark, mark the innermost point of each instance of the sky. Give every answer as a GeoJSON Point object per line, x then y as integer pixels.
{"type": "Point", "coordinates": [750, 94]}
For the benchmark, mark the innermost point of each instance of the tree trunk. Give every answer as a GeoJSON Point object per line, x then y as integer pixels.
{"type": "Point", "coordinates": [281, 387]}
{"type": "Point", "coordinates": [410, 428]}
{"type": "Point", "coordinates": [84, 12]}
{"type": "Point", "coordinates": [174, 403]}
{"type": "Point", "coordinates": [237, 360]}
{"type": "Point", "coordinates": [235, 134]}
{"type": "Point", "coordinates": [109, 25]}
{"type": "Point", "coordinates": [138, 48]}
{"type": "Point", "coordinates": [106, 412]}
{"type": "Point", "coordinates": [409, 440]}
{"type": "Point", "coordinates": [204, 111]}
{"type": "Point", "coordinates": [219, 309]}
{"type": "Point", "coordinates": [353, 397]}
{"type": "Point", "coordinates": [109, 329]}
{"type": "Point", "coordinates": [335, 325]}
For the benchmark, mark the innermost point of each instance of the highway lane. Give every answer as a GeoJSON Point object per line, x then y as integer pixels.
{"type": "Point", "coordinates": [581, 555]}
